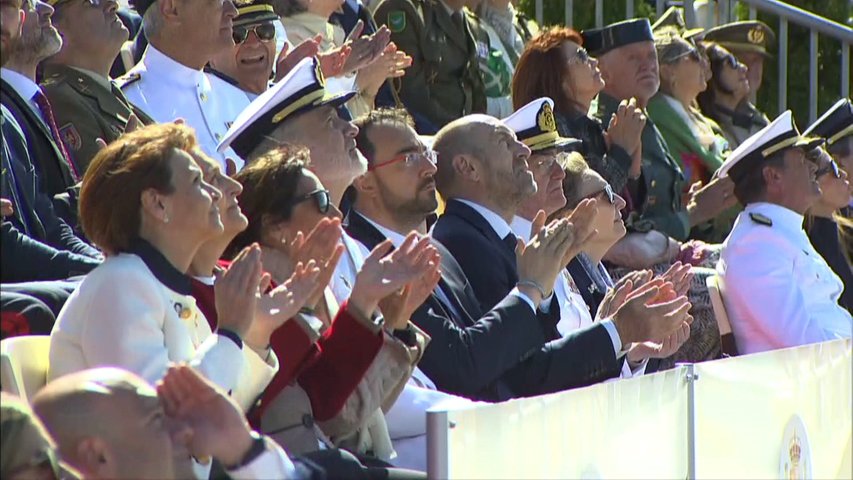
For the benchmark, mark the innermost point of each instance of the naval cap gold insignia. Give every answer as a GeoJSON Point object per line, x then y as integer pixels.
{"type": "Point", "coordinates": [756, 35]}
{"type": "Point", "coordinates": [545, 120]}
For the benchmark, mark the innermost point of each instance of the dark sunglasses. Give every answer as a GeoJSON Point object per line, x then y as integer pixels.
{"type": "Point", "coordinates": [830, 167]}
{"type": "Point", "coordinates": [608, 191]}
{"type": "Point", "coordinates": [730, 61]}
{"type": "Point", "coordinates": [264, 31]}
{"type": "Point", "coordinates": [581, 56]}
{"type": "Point", "coordinates": [320, 196]}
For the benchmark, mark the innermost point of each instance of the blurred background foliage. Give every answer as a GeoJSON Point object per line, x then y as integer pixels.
{"type": "Point", "coordinates": [829, 50]}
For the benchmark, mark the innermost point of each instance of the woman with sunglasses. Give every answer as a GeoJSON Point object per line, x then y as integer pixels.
{"type": "Point", "coordinates": [726, 100]}
{"type": "Point", "coordinates": [282, 199]}
{"type": "Point", "coordinates": [573, 86]}
{"type": "Point", "coordinates": [822, 223]}
{"type": "Point", "coordinates": [693, 139]}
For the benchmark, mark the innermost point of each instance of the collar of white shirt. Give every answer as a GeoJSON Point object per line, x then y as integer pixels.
{"type": "Point", "coordinates": [783, 218]}
{"type": "Point", "coordinates": [498, 224]}
{"type": "Point", "coordinates": [521, 227]}
{"type": "Point", "coordinates": [165, 69]}
{"type": "Point", "coordinates": [22, 85]}
{"type": "Point", "coordinates": [396, 238]}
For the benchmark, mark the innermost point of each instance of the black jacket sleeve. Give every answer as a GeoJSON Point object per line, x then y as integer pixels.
{"type": "Point", "coordinates": [25, 259]}
{"type": "Point", "coordinates": [466, 360]}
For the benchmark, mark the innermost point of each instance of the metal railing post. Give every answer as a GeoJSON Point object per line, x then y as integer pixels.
{"type": "Point", "coordinates": [570, 12]}
{"type": "Point", "coordinates": [538, 12]}
{"type": "Point", "coordinates": [438, 464]}
{"type": "Point", "coordinates": [629, 8]}
{"type": "Point", "coordinates": [783, 64]}
{"type": "Point", "coordinates": [845, 69]}
{"type": "Point", "coordinates": [812, 76]}
{"type": "Point", "coordinates": [599, 13]}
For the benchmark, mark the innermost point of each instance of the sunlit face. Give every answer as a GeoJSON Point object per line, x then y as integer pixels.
{"type": "Point", "coordinates": [548, 175]}
{"type": "Point", "coordinates": [584, 78]}
{"type": "Point", "coordinates": [403, 171]}
{"type": "Point", "coordinates": [11, 19]}
{"type": "Point", "coordinates": [733, 74]}
{"type": "Point", "coordinates": [796, 181]}
{"type": "Point", "coordinates": [207, 23]}
{"type": "Point", "coordinates": [250, 60]}
{"type": "Point", "coordinates": [506, 176]}
{"type": "Point", "coordinates": [331, 141]}
{"type": "Point", "coordinates": [685, 75]}
{"type": "Point", "coordinates": [305, 209]}
{"type": "Point", "coordinates": [835, 190]}
{"type": "Point", "coordinates": [631, 71]}
{"type": "Point", "coordinates": [193, 205]}
{"type": "Point", "coordinates": [39, 38]}
{"type": "Point", "coordinates": [754, 62]}
{"type": "Point", "coordinates": [91, 26]}
{"type": "Point", "coordinates": [233, 220]}
{"type": "Point", "coordinates": [608, 221]}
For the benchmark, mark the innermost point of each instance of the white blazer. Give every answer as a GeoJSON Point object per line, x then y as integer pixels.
{"type": "Point", "coordinates": [138, 315]}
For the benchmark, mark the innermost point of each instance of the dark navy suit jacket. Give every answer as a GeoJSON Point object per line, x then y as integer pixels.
{"type": "Point", "coordinates": [500, 352]}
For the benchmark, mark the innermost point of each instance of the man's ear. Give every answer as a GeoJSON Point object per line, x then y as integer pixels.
{"type": "Point", "coordinates": [95, 458]}
{"type": "Point", "coordinates": [772, 176]}
{"type": "Point", "coordinates": [168, 9]}
{"type": "Point", "coordinates": [467, 167]}
{"type": "Point", "coordinates": [366, 184]}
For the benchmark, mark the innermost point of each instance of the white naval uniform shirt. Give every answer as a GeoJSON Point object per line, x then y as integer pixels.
{"type": "Point", "coordinates": [574, 313]}
{"type": "Point", "coordinates": [778, 291]}
{"type": "Point", "coordinates": [167, 90]}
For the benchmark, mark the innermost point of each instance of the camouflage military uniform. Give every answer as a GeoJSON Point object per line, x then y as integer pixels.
{"type": "Point", "coordinates": [444, 81]}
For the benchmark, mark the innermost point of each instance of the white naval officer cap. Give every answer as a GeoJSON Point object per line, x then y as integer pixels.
{"type": "Point", "coordinates": [780, 134]}
{"type": "Point", "coordinates": [835, 124]}
{"type": "Point", "coordinates": [301, 90]}
{"type": "Point", "coordinates": [535, 126]}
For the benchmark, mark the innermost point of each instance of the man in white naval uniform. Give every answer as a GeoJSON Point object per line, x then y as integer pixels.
{"type": "Point", "coordinates": [778, 291]}
{"type": "Point", "coordinates": [169, 82]}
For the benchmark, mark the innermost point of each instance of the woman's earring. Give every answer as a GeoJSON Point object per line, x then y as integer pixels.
{"type": "Point", "coordinates": [166, 218]}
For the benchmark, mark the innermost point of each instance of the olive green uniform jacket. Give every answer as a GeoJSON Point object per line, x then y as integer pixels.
{"type": "Point", "coordinates": [444, 81]}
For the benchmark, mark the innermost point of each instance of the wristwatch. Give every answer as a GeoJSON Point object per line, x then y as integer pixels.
{"type": "Point", "coordinates": [259, 446]}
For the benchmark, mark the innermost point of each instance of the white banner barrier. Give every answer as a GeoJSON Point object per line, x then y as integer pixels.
{"type": "Point", "coordinates": [782, 414]}
{"type": "Point", "coordinates": [633, 428]}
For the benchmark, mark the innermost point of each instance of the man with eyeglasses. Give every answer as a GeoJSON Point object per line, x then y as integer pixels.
{"type": "Point", "coordinates": [778, 290]}
{"type": "Point", "coordinates": [86, 104]}
{"type": "Point", "coordinates": [169, 82]}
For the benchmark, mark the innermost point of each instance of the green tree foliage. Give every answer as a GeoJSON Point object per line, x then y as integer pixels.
{"type": "Point", "coordinates": [829, 50]}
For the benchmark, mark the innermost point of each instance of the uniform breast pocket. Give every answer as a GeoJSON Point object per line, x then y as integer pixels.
{"type": "Point", "coordinates": [808, 271]}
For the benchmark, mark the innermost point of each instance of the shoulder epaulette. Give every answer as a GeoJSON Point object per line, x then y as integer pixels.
{"type": "Point", "coordinates": [761, 219]}
{"type": "Point", "coordinates": [127, 79]}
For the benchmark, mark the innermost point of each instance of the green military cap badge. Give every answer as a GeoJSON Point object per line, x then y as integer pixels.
{"type": "Point", "coordinates": [397, 21]}
{"type": "Point", "coordinates": [761, 219]}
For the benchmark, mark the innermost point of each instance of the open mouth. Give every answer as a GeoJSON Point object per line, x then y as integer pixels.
{"type": "Point", "coordinates": [249, 60]}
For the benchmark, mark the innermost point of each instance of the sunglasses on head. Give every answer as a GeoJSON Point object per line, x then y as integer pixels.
{"type": "Point", "coordinates": [320, 196]}
{"type": "Point", "coordinates": [264, 31]}
{"type": "Point", "coordinates": [830, 167]}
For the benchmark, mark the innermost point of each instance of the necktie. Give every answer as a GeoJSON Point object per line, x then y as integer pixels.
{"type": "Point", "coordinates": [47, 116]}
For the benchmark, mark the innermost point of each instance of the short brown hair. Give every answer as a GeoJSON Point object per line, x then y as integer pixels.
{"type": "Point", "coordinates": [389, 116]}
{"type": "Point", "coordinates": [111, 197]}
{"type": "Point", "coordinates": [535, 75]}
{"type": "Point", "coordinates": [269, 184]}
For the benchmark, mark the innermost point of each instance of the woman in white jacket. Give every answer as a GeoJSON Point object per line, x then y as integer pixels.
{"type": "Point", "coordinates": [145, 203]}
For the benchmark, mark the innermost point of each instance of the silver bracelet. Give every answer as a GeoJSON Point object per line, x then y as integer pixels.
{"type": "Point", "coordinates": [531, 283]}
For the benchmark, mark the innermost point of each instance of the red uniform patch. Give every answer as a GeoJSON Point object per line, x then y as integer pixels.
{"type": "Point", "coordinates": [69, 136]}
